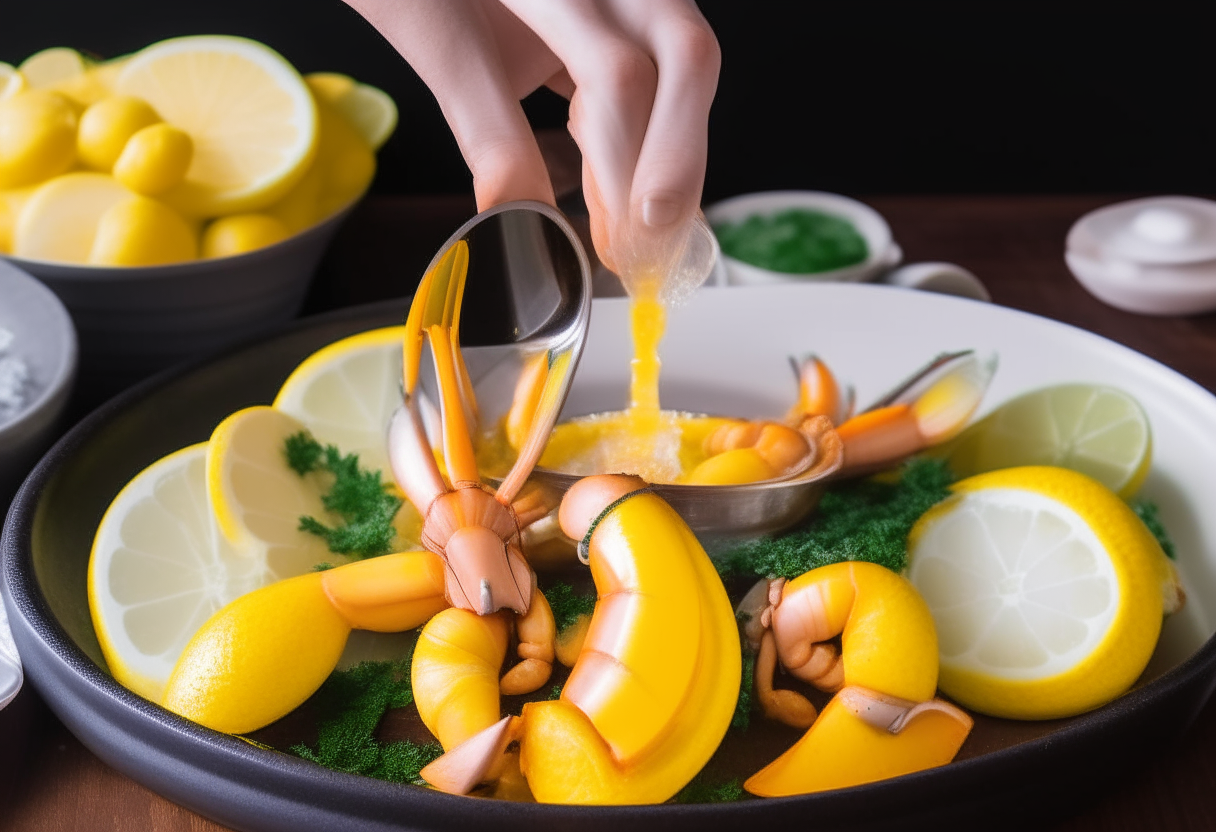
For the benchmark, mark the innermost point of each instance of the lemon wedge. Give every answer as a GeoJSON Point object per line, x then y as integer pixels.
{"type": "Point", "coordinates": [346, 393]}
{"type": "Point", "coordinates": [250, 114]}
{"type": "Point", "coordinates": [11, 81]}
{"type": "Point", "coordinates": [370, 110]}
{"type": "Point", "coordinates": [1099, 431]}
{"type": "Point", "coordinates": [59, 222]}
{"type": "Point", "coordinates": [1046, 589]}
{"type": "Point", "coordinates": [159, 568]}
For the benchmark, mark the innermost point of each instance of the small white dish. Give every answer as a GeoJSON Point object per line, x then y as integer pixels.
{"type": "Point", "coordinates": [43, 339]}
{"type": "Point", "coordinates": [883, 254]}
{"type": "Point", "coordinates": [1155, 256]}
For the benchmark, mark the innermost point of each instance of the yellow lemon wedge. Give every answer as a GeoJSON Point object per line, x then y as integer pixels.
{"type": "Point", "coordinates": [159, 568]}
{"type": "Point", "coordinates": [59, 222]}
{"type": "Point", "coordinates": [370, 110]}
{"type": "Point", "coordinates": [347, 392]}
{"type": "Point", "coordinates": [141, 231]}
{"type": "Point", "coordinates": [37, 137]}
{"type": "Point", "coordinates": [106, 126]}
{"type": "Point", "coordinates": [11, 81]}
{"type": "Point", "coordinates": [1046, 590]}
{"type": "Point", "coordinates": [249, 113]}
{"type": "Point", "coordinates": [1097, 430]}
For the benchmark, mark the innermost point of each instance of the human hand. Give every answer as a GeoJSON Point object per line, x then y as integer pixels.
{"type": "Point", "coordinates": [640, 76]}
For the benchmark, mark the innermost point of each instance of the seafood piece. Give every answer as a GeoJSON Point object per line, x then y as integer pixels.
{"type": "Point", "coordinates": [883, 720]}
{"type": "Point", "coordinates": [927, 409]}
{"type": "Point", "coordinates": [472, 530]}
{"type": "Point", "coordinates": [639, 715]}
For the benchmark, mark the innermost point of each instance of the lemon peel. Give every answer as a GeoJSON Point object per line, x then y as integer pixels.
{"type": "Point", "coordinates": [1046, 589]}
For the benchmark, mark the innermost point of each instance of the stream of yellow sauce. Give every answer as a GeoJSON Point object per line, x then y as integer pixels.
{"type": "Point", "coordinates": [661, 446]}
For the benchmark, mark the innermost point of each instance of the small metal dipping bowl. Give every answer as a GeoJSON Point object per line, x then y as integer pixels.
{"type": "Point", "coordinates": [749, 510]}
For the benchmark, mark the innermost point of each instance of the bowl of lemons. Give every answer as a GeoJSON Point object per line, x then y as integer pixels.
{"type": "Point", "coordinates": [178, 199]}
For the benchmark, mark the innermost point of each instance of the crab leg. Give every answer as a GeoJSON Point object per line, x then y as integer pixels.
{"type": "Point", "coordinates": [818, 393]}
{"type": "Point", "coordinates": [879, 723]}
{"type": "Point", "coordinates": [472, 530]}
{"type": "Point", "coordinates": [927, 415]}
{"type": "Point", "coordinates": [639, 715]}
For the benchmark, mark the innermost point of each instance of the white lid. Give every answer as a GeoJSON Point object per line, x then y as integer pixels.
{"type": "Point", "coordinates": [1155, 230]}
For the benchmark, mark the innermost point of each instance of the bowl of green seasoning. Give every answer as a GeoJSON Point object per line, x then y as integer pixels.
{"type": "Point", "coordinates": [779, 236]}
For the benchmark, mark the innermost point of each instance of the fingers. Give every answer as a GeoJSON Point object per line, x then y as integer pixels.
{"type": "Point", "coordinates": [615, 79]}
{"type": "Point", "coordinates": [457, 49]}
{"type": "Point", "coordinates": [644, 76]}
{"type": "Point", "coordinates": [670, 171]}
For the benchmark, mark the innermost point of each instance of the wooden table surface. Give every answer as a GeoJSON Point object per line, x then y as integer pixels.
{"type": "Point", "coordinates": [49, 781]}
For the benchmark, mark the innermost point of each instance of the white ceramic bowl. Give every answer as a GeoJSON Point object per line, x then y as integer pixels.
{"type": "Point", "coordinates": [45, 341]}
{"type": "Point", "coordinates": [883, 254]}
{"type": "Point", "coordinates": [134, 322]}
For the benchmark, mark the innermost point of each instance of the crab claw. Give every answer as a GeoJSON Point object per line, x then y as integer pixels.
{"type": "Point", "coordinates": [472, 532]}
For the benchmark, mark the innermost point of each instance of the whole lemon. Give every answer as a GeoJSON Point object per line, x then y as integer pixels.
{"type": "Point", "coordinates": [240, 233]}
{"type": "Point", "coordinates": [141, 231]}
{"type": "Point", "coordinates": [106, 126]}
{"type": "Point", "coordinates": [155, 160]}
{"type": "Point", "coordinates": [37, 137]}
{"type": "Point", "coordinates": [1047, 590]}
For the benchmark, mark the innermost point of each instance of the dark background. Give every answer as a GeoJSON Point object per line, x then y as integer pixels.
{"type": "Point", "coordinates": [860, 98]}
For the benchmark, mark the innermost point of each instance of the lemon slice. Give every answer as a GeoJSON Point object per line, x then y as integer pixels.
{"type": "Point", "coordinates": [1046, 590]}
{"type": "Point", "coordinates": [11, 81]}
{"type": "Point", "coordinates": [371, 111]}
{"type": "Point", "coordinates": [257, 498]}
{"type": "Point", "coordinates": [59, 222]}
{"type": "Point", "coordinates": [1099, 431]}
{"type": "Point", "coordinates": [51, 67]}
{"type": "Point", "coordinates": [347, 392]}
{"type": "Point", "coordinates": [252, 119]}
{"type": "Point", "coordinates": [159, 568]}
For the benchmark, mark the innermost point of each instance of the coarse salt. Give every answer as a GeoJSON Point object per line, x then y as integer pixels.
{"type": "Point", "coordinates": [14, 379]}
